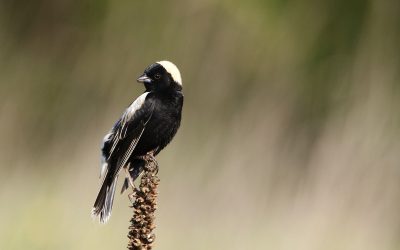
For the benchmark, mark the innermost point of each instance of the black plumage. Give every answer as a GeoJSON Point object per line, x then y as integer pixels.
{"type": "Point", "coordinates": [146, 127]}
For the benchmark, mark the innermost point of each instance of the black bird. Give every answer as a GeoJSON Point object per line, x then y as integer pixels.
{"type": "Point", "coordinates": [146, 127]}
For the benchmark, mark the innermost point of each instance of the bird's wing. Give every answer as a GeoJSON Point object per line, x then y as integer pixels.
{"type": "Point", "coordinates": [120, 142]}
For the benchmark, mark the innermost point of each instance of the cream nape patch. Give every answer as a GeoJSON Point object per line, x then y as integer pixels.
{"type": "Point", "coordinates": [173, 70]}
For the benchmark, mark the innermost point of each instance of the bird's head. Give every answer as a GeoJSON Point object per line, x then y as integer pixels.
{"type": "Point", "coordinates": [161, 76]}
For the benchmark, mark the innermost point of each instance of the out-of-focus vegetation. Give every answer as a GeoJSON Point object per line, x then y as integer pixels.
{"type": "Point", "coordinates": [290, 130]}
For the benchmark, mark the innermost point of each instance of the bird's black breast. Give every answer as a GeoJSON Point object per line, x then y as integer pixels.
{"type": "Point", "coordinates": [163, 124]}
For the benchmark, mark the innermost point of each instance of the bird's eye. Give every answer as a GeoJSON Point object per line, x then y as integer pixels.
{"type": "Point", "coordinates": [157, 76]}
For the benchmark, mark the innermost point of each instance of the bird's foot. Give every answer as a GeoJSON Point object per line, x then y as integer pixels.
{"type": "Point", "coordinates": [132, 196]}
{"type": "Point", "coordinates": [153, 164]}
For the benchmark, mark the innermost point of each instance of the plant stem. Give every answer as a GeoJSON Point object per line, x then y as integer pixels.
{"type": "Point", "coordinates": [141, 234]}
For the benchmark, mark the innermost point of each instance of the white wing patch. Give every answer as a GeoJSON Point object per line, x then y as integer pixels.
{"type": "Point", "coordinates": [173, 70]}
{"type": "Point", "coordinates": [136, 105]}
{"type": "Point", "coordinates": [104, 165]}
{"type": "Point", "coordinates": [130, 111]}
{"type": "Point", "coordinates": [104, 168]}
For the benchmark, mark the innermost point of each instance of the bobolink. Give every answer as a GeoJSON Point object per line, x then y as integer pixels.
{"type": "Point", "coordinates": [146, 127]}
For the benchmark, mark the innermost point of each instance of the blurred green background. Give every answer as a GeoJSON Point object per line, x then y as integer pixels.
{"type": "Point", "coordinates": [290, 132]}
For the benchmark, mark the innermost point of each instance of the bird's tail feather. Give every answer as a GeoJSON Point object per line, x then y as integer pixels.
{"type": "Point", "coordinates": [103, 205]}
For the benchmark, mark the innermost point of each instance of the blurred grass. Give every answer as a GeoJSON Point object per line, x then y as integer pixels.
{"type": "Point", "coordinates": [290, 130]}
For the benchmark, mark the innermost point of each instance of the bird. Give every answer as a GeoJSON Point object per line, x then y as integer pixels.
{"type": "Point", "coordinates": [146, 127]}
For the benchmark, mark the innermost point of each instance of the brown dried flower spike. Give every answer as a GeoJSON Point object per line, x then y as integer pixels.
{"type": "Point", "coordinates": [141, 234]}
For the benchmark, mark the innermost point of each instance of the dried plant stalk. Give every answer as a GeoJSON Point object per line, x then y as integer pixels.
{"type": "Point", "coordinates": [141, 234]}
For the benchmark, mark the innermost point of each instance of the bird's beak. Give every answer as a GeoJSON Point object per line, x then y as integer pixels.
{"type": "Point", "coordinates": [144, 79]}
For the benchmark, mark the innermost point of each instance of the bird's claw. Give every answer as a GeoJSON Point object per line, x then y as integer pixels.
{"type": "Point", "coordinates": [132, 196]}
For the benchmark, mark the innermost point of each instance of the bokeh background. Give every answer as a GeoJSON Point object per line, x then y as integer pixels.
{"type": "Point", "coordinates": [290, 132]}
